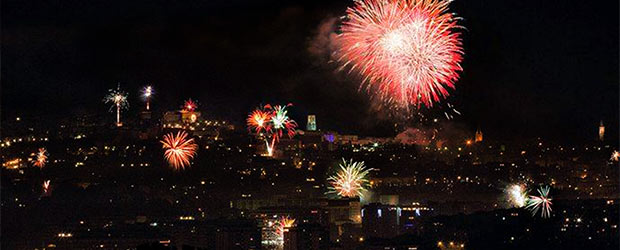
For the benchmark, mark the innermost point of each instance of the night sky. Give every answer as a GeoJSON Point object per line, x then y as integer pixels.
{"type": "Point", "coordinates": [532, 68]}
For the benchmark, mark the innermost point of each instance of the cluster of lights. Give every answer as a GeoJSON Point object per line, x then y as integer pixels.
{"type": "Point", "coordinates": [450, 245]}
{"type": "Point", "coordinates": [9, 141]}
{"type": "Point", "coordinates": [186, 218]}
{"type": "Point", "coordinates": [65, 235]}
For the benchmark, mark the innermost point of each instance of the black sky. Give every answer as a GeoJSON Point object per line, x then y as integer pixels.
{"type": "Point", "coordinates": [532, 68]}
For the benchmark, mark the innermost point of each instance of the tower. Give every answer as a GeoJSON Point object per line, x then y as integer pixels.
{"type": "Point", "coordinates": [311, 125]}
{"type": "Point", "coordinates": [478, 135]}
{"type": "Point", "coordinates": [601, 131]}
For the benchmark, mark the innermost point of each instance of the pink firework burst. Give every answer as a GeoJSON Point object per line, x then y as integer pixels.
{"type": "Point", "coordinates": [406, 50]}
{"type": "Point", "coordinates": [190, 105]}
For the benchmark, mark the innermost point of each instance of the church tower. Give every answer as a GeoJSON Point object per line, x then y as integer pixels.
{"type": "Point", "coordinates": [311, 125]}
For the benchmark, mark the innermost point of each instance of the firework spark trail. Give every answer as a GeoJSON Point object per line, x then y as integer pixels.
{"type": "Point", "coordinates": [270, 146]}
{"type": "Point", "coordinates": [350, 180]}
{"type": "Point", "coordinates": [517, 195]}
{"type": "Point", "coordinates": [406, 50]}
{"type": "Point", "coordinates": [118, 98]}
{"type": "Point", "coordinates": [147, 92]}
{"type": "Point", "coordinates": [179, 149]}
{"type": "Point", "coordinates": [541, 202]}
{"type": "Point", "coordinates": [40, 158]}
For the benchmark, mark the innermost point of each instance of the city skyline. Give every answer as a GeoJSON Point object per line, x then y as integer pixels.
{"type": "Point", "coordinates": [315, 125]}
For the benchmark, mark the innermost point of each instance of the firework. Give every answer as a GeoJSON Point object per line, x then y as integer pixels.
{"type": "Point", "coordinates": [274, 122]}
{"type": "Point", "coordinates": [541, 202]}
{"type": "Point", "coordinates": [350, 180]}
{"type": "Point", "coordinates": [179, 149]}
{"type": "Point", "coordinates": [282, 226]}
{"type": "Point", "coordinates": [46, 187]}
{"type": "Point", "coordinates": [259, 120]}
{"type": "Point", "coordinates": [147, 92]}
{"type": "Point", "coordinates": [517, 195]}
{"type": "Point", "coordinates": [40, 158]}
{"type": "Point", "coordinates": [190, 105]}
{"type": "Point", "coordinates": [406, 50]}
{"type": "Point", "coordinates": [118, 98]}
{"type": "Point", "coordinates": [270, 146]}
{"type": "Point", "coordinates": [615, 156]}
{"type": "Point", "coordinates": [281, 122]}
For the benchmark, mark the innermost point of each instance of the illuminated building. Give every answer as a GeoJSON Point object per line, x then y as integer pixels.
{"type": "Point", "coordinates": [14, 164]}
{"type": "Point", "coordinates": [189, 116]}
{"type": "Point", "coordinates": [411, 215]}
{"type": "Point", "coordinates": [601, 131]}
{"type": "Point", "coordinates": [237, 234]}
{"type": "Point", "coordinates": [389, 199]}
{"type": "Point", "coordinates": [380, 220]}
{"type": "Point", "coordinates": [311, 126]}
{"type": "Point", "coordinates": [306, 236]}
{"type": "Point", "coordinates": [478, 135]}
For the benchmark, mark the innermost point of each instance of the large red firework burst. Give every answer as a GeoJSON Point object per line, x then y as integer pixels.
{"type": "Point", "coordinates": [179, 149]}
{"type": "Point", "coordinates": [406, 50]}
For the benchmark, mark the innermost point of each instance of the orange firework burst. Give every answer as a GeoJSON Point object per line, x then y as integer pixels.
{"type": "Point", "coordinates": [40, 158]}
{"type": "Point", "coordinates": [179, 149]}
{"type": "Point", "coordinates": [259, 121]}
